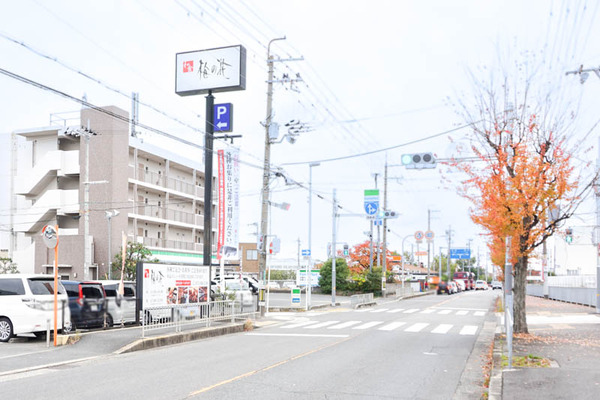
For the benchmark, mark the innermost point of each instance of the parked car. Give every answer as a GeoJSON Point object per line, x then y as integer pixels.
{"type": "Point", "coordinates": [496, 285]}
{"type": "Point", "coordinates": [460, 285]}
{"type": "Point", "coordinates": [27, 305]}
{"type": "Point", "coordinates": [452, 288]}
{"type": "Point", "coordinates": [241, 292]}
{"type": "Point", "coordinates": [273, 285]}
{"type": "Point", "coordinates": [442, 288]}
{"type": "Point", "coordinates": [87, 301]}
{"type": "Point", "coordinates": [120, 307]}
{"type": "Point", "coordinates": [481, 285]}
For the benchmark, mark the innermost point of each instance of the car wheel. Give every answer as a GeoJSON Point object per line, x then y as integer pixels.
{"type": "Point", "coordinates": [6, 329]}
{"type": "Point", "coordinates": [109, 321]}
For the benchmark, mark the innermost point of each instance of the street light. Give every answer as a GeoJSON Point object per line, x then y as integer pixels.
{"type": "Point", "coordinates": [109, 216]}
{"type": "Point", "coordinates": [403, 271]}
{"type": "Point", "coordinates": [309, 268]}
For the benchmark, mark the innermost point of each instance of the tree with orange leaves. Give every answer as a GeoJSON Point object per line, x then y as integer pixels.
{"type": "Point", "coordinates": [526, 184]}
{"type": "Point", "coordinates": [360, 256]}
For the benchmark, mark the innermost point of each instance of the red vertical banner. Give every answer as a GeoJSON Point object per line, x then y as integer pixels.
{"type": "Point", "coordinates": [221, 233]}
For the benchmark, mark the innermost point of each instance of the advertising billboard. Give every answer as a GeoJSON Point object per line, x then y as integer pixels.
{"type": "Point", "coordinates": [229, 184]}
{"type": "Point", "coordinates": [168, 284]}
{"type": "Point", "coordinates": [219, 70]}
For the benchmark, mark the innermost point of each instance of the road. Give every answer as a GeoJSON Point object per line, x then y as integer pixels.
{"type": "Point", "coordinates": [412, 349]}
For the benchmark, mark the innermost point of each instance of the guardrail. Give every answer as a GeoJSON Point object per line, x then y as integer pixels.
{"type": "Point", "coordinates": [178, 316]}
{"type": "Point", "coordinates": [357, 299]}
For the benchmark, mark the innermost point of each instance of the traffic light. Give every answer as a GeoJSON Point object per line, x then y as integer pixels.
{"type": "Point", "coordinates": [418, 160]}
{"type": "Point", "coordinates": [346, 250]}
{"type": "Point", "coordinates": [569, 235]}
{"type": "Point", "coordinates": [389, 214]}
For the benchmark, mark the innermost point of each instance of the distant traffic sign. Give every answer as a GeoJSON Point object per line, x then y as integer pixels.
{"type": "Point", "coordinates": [223, 115]}
{"type": "Point", "coordinates": [306, 252]}
{"type": "Point", "coordinates": [460, 254]}
{"type": "Point", "coordinates": [419, 235]}
{"type": "Point", "coordinates": [372, 201]}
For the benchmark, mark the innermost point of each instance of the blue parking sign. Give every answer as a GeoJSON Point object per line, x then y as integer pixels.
{"type": "Point", "coordinates": [222, 117]}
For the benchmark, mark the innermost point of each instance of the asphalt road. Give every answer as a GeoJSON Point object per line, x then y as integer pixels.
{"type": "Point", "coordinates": [413, 349]}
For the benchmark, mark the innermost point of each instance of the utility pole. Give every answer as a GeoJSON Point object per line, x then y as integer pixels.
{"type": "Point", "coordinates": [264, 215]}
{"type": "Point", "coordinates": [449, 232]}
{"type": "Point", "coordinates": [333, 238]}
{"type": "Point", "coordinates": [384, 269]}
{"type": "Point", "coordinates": [309, 266]}
{"type": "Point", "coordinates": [583, 75]}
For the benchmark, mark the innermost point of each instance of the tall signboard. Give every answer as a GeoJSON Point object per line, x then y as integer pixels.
{"type": "Point", "coordinates": [229, 184]}
{"type": "Point", "coordinates": [217, 70]}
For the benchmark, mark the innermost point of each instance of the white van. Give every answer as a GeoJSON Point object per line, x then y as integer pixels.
{"type": "Point", "coordinates": [27, 305]}
{"type": "Point", "coordinates": [121, 308]}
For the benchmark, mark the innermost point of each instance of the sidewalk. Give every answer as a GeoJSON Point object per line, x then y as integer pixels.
{"type": "Point", "coordinates": [568, 335]}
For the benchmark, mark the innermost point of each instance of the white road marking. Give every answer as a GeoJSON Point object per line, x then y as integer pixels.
{"type": "Point", "coordinates": [416, 327]}
{"type": "Point", "coordinates": [442, 328]}
{"type": "Point", "coordinates": [346, 324]}
{"type": "Point", "coordinates": [411, 311]}
{"type": "Point", "coordinates": [462, 312]}
{"type": "Point", "coordinates": [321, 325]}
{"type": "Point", "coordinates": [392, 326]}
{"type": "Point", "coordinates": [298, 325]}
{"type": "Point", "coordinates": [364, 309]}
{"type": "Point", "coordinates": [295, 335]}
{"type": "Point", "coordinates": [479, 313]}
{"type": "Point", "coordinates": [397, 310]}
{"type": "Point", "coordinates": [428, 311]}
{"type": "Point", "coordinates": [469, 330]}
{"type": "Point", "coordinates": [380, 310]}
{"type": "Point", "coordinates": [368, 325]}
{"type": "Point", "coordinates": [445, 312]}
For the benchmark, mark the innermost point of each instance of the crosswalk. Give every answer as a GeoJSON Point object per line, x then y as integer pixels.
{"type": "Point", "coordinates": [405, 326]}
{"type": "Point", "coordinates": [466, 330]}
{"type": "Point", "coordinates": [440, 311]}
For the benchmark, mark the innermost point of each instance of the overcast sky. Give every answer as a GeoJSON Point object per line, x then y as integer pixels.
{"type": "Point", "coordinates": [376, 75]}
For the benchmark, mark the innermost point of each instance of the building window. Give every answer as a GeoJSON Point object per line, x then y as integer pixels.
{"type": "Point", "coordinates": [252, 255]}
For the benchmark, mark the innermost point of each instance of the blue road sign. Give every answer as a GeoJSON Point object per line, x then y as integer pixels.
{"type": "Point", "coordinates": [372, 202]}
{"type": "Point", "coordinates": [378, 221]}
{"type": "Point", "coordinates": [460, 254]}
{"type": "Point", "coordinates": [305, 252]}
{"type": "Point", "coordinates": [223, 117]}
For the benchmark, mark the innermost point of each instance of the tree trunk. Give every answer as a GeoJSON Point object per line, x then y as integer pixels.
{"type": "Point", "coordinates": [519, 288]}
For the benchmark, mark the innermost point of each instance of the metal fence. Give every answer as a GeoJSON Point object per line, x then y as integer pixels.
{"type": "Point", "coordinates": [579, 289]}
{"type": "Point", "coordinates": [176, 317]}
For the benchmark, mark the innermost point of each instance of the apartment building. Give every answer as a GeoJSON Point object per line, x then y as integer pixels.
{"type": "Point", "coordinates": [151, 193]}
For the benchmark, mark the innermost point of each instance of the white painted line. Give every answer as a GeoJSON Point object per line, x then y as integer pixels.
{"type": "Point", "coordinates": [469, 330]}
{"type": "Point", "coordinates": [322, 324]}
{"type": "Point", "coordinates": [411, 311]}
{"type": "Point", "coordinates": [364, 309]}
{"type": "Point", "coordinates": [346, 324]}
{"type": "Point", "coordinates": [416, 327]}
{"type": "Point", "coordinates": [479, 313]}
{"type": "Point", "coordinates": [445, 312]}
{"type": "Point", "coordinates": [442, 328]}
{"type": "Point", "coordinates": [428, 311]}
{"type": "Point", "coordinates": [396, 310]}
{"type": "Point", "coordinates": [368, 325]}
{"type": "Point", "coordinates": [380, 310]}
{"type": "Point", "coordinates": [462, 312]}
{"type": "Point", "coordinates": [392, 326]}
{"type": "Point", "coordinates": [298, 325]}
{"type": "Point", "coordinates": [295, 335]}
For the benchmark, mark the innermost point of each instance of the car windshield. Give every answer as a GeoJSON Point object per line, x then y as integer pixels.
{"type": "Point", "coordinates": [44, 286]}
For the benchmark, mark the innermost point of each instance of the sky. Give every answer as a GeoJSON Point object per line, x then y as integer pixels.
{"type": "Point", "coordinates": [379, 79]}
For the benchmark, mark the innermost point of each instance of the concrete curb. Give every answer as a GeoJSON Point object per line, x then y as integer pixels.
{"type": "Point", "coordinates": [495, 389]}
{"type": "Point", "coordinates": [180, 337]}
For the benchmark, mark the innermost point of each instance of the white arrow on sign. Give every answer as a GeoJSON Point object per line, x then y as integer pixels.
{"type": "Point", "coordinates": [221, 125]}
